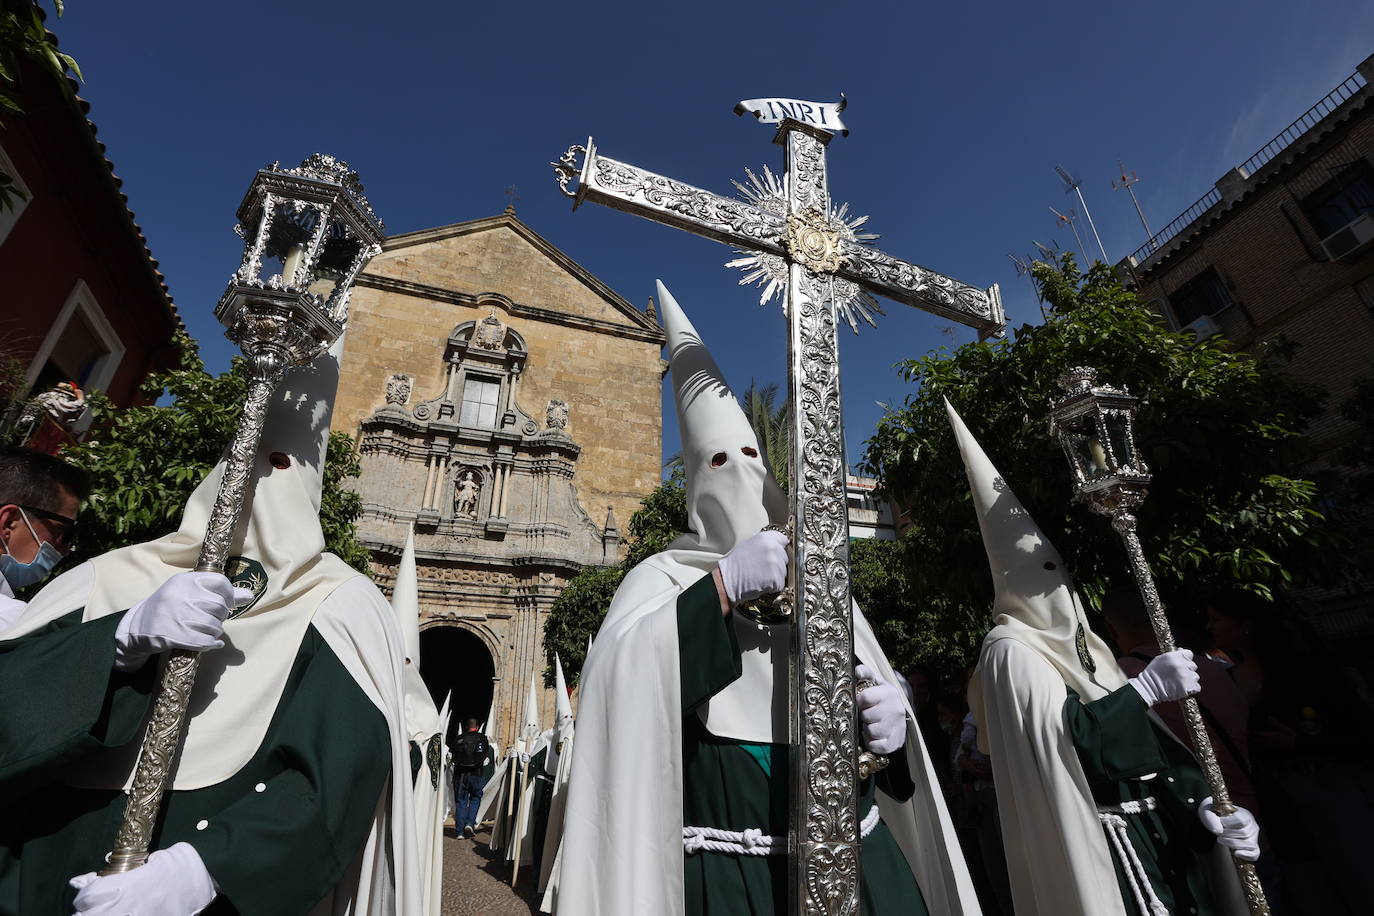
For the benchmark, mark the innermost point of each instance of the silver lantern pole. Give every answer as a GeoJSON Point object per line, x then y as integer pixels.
{"type": "Point", "coordinates": [1095, 424]}
{"type": "Point", "coordinates": [315, 221]}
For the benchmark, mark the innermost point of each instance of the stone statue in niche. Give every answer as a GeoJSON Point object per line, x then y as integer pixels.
{"type": "Point", "coordinates": [465, 493]}
{"type": "Point", "coordinates": [398, 389]}
{"type": "Point", "coordinates": [490, 333]}
{"type": "Point", "coordinates": [556, 414]}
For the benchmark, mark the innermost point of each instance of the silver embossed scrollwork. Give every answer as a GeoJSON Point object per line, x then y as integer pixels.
{"type": "Point", "coordinates": [1123, 520]}
{"type": "Point", "coordinates": [163, 735]}
{"type": "Point", "coordinates": [634, 190]}
{"type": "Point", "coordinates": [825, 823]}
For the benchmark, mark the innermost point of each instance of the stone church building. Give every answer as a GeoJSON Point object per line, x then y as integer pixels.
{"type": "Point", "coordinates": [507, 404]}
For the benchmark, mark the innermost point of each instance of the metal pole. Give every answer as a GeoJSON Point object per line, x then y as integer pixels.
{"type": "Point", "coordinates": [265, 370]}
{"type": "Point", "coordinates": [1139, 212]}
{"type": "Point", "coordinates": [1125, 524]}
{"type": "Point", "coordinates": [1084, 204]}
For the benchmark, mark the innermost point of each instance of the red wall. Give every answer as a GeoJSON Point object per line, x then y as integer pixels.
{"type": "Point", "coordinates": [75, 227]}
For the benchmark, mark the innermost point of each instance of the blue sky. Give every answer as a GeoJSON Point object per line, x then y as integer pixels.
{"type": "Point", "coordinates": [958, 114]}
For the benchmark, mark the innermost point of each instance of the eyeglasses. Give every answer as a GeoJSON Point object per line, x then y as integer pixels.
{"type": "Point", "coordinates": [63, 536]}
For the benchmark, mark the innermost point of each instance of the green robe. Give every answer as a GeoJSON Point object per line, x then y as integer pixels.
{"type": "Point", "coordinates": [542, 786]}
{"type": "Point", "coordinates": [735, 786]}
{"type": "Point", "coordinates": [276, 836]}
{"type": "Point", "coordinates": [1118, 746]}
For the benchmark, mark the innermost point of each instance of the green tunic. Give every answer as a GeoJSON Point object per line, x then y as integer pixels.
{"type": "Point", "coordinates": [735, 786]}
{"type": "Point", "coordinates": [276, 836]}
{"type": "Point", "coordinates": [1120, 748]}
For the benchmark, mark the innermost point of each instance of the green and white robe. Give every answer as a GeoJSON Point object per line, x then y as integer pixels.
{"type": "Point", "coordinates": [1060, 763]}
{"type": "Point", "coordinates": [312, 823]}
{"type": "Point", "coordinates": [645, 764]}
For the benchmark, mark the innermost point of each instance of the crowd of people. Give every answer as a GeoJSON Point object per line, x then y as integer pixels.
{"type": "Point", "coordinates": [1053, 778]}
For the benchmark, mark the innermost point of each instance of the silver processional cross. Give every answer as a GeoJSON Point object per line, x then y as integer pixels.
{"type": "Point", "coordinates": [797, 245]}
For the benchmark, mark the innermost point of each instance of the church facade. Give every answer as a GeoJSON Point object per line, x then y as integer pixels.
{"type": "Point", "coordinates": [507, 404]}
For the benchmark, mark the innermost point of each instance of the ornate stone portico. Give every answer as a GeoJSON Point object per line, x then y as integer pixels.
{"type": "Point", "coordinates": [507, 404]}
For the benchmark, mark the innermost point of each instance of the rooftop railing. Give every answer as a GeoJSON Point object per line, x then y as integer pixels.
{"type": "Point", "coordinates": [1285, 138]}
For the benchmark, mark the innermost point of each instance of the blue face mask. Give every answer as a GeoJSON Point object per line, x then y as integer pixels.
{"type": "Point", "coordinates": [19, 575]}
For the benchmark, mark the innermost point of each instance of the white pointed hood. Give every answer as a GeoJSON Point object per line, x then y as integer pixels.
{"type": "Point", "coordinates": [489, 729]}
{"type": "Point", "coordinates": [1035, 601]}
{"type": "Point", "coordinates": [729, 502]}
{"type": "Point", "coordinates": [405, 599]}
{"type": "Point", "coordinates": [562, 704]}
{"type": "Point", "coordinates": [529, 726]}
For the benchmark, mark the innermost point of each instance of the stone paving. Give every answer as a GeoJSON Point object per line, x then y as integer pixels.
{"type": "Point", "coordinates": [477, 880]}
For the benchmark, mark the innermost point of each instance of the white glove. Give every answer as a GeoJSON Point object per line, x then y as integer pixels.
{"type": "Point", "coordinates": [173, 882]}
{"type": "Point", "coordinates": [186, 612]}
{"type": "Point", "coordinates": [757, 566]}
{"type": "Point", "coordinates": [881, 714]}
{"type": "Point", "coordinates": [1238, 832]}
{"type": "Point", "coordinates": [1171, 676]}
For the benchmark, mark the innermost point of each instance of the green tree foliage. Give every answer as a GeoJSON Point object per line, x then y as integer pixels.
{"type": "Point", "coordinates": [145, 461]}
{"type": "Point", "coordinates": [1221, 430]}
{"type": "Point", "coordinates": [577, 613]}
{"type": "Point", "coordinates": [22, 36]}
{"type": "Point", "coordinates": [772, 423]}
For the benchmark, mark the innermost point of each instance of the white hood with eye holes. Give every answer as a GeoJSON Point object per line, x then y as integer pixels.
{"type": "Point", "coordinates": [731, 493]}
{"type": "Point", "coordinates": [731, 496]}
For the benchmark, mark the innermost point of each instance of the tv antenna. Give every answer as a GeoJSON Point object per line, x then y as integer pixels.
{"type": "Point", "coordinates": [1072, 184]}
{"type": "Point", "coordinates": [1023, 269]}
{"type": "Point", "coordinates": [1068, 220]}
{"type": "Point", "coordinates": [1126, 184]}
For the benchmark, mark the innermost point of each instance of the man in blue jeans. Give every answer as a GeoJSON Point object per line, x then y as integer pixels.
{"type": "Point", "coordinates": [470, 752]}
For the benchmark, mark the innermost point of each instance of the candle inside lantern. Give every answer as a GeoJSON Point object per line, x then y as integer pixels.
{"type": "Point", "coordinates": [293, 260]}
{"type": "Point", "coordinates": [1099, 456]}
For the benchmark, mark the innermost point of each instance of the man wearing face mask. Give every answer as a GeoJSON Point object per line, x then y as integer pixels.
{"type": "Point", "coordinates": [39, 499]}
{"type": "Point", "coordinates": [678, 803]}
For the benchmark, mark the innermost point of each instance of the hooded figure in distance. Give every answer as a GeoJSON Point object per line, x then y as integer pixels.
{"type": "Point", "coordinates": [291, 792]}
{"type": "Point", "coordinates": [1104, 812]}
{"type": "Point", "coordinates": [678, 802]}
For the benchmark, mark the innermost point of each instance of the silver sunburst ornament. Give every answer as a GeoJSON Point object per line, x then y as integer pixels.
{"type": "Point", "coordinates": [811, 236]}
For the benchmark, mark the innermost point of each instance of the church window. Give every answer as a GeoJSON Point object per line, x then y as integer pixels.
{"type": "Point", "coordinates": [481, 398]}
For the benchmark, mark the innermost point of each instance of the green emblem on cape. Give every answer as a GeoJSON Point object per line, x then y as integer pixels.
{"type": "Point", "coordinates": [1080, 642]}
{"type": "Point", "coordinates": [246, 573]}
{"type": "Point", "coordinates": [434, 759]}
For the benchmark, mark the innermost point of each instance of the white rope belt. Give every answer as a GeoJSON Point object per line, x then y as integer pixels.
{"type": "Point", "coordinates": [1114, 822]}
{"type": "Point", "coordinates": [752, 842]}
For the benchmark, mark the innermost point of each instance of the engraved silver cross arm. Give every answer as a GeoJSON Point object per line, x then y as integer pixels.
{"type": "Point", "coordinates": [631, 189]}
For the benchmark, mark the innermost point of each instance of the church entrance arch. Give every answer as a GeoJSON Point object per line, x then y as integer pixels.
{"type": "Point", "coordinates": [454, 658]}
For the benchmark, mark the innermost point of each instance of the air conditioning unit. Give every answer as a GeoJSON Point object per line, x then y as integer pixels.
{"type": "Point", "coordinates": [1353, 237]}
{"type": "Point", "coordinates": [1203, 327]}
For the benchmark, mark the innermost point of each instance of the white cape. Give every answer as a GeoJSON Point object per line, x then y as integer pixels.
{"type": "Point", "coordinates": [1057, 854]}
{"type": "Point", "coordinates": [622, 840]}
{"type": "Point", "coordinates": [356, 622]}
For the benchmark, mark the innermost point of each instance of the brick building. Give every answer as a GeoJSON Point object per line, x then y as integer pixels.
{"type": "Point", "coordinates": [1283, 244]}
{"type": "Point", "coordinates": [81, 299]}
{"type": "Point", "coordinates": [508, 405]}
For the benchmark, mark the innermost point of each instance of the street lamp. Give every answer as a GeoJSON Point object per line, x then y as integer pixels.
{"type": "Point", "coordinates": [314, 221]}
{"type": "Point", "coordinates": [1095, 425]}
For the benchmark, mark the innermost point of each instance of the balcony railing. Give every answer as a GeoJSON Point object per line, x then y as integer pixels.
{"type": "Point", "coordinates": [1286, 138]}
